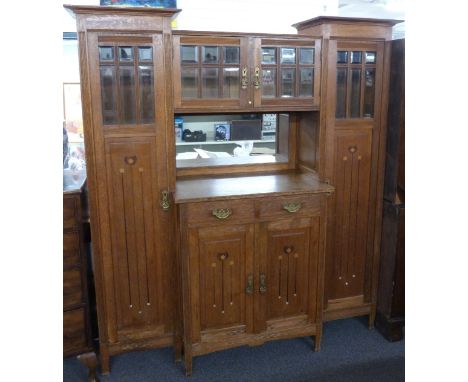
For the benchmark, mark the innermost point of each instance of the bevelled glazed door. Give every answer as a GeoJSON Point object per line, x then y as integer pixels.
{"type": "Point", "coordinates": [287, 73]}
{"type": "Point", "coordinates": [355, 80]}
{"type": "Point", "coordinates": [129, 122]}
{"type": "Point", "coordinates": [210, 72]}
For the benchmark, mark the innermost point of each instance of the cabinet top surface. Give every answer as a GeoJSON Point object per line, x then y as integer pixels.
{"type": "Point", "coordinates": [116, 10]}
{"type": "Point", "coordinates": [197, 190]}
{"type": "Point", "coordinates": [344, 20]}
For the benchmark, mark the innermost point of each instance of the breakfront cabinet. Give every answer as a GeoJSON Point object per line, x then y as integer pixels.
{"type": "Point", "coordinates": [356, 54]}
{"type": "Point", "coordinates": [263, 217]}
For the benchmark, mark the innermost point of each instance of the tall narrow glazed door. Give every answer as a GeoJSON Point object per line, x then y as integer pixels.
{"type": "Point", "coordinates": [354, 138]}
{"type": "Point", "coordinates": [130, 134]}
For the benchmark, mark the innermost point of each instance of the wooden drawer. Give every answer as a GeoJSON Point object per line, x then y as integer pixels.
{"type": "Point", "coordinates": [74, 331]}
{"type": "Point", "coordinates": [202, 213]}
{"type": "Point", "coordinates": [72, 293]}
{"type": "Point", "coordinates": [303, 205]}
{"type": "Point", "coordinates": [70, 214]}
{"type": "Point", "coordinates": [71, 248]}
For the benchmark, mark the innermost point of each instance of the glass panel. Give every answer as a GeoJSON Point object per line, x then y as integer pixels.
{"type": "Point", "coordinates": [106, 53]}
{"type": "Point", "coordinates": [269, 56]}
{"type": "Point", "coordinates": [109, 106]}
{"type": "Point", "coordinates": [268, 83]}
{"type": "Point", "coordinates": [210, 83]}
{"type": "Point", "coordinates": [370, 57]}
{"type": "Point", "coordinates": [340, 93]}
{"type": "Point", "coordinates": [231, 83]}
{"type": "Point", "coordinates": [188, 54]}
{"type": "Point", "coordinates": [127, 94]}
{"type": "Point", "coordinates": [288, 55]}
{"type": "Point", "coordinates": [288, 82]}
{"type": "Point", "coordinates": [145, 53]}
{"type": "Point", "coordinates": [189, 80]}
{"type": "Point", "coordinates": [342, 57]}
{"type": "Point", "coordinates": [125, 53]}
{"type": "Point", "coordinates": [355, 93]}
{"type": "Point", "coordinates": [307, 56]}
{"type": "Point", "coordinates": [145, 74]}
{"type": "Point", "coordinates": [210, 54]}
{"type": "Point", "coordinates": [306, 85]}
{"type": "Point", "coordinates": [231, 55]}
{"type": "Point", "coordinates": [369, 93]}
{"type": "Point", "coordinates": [356, 57]}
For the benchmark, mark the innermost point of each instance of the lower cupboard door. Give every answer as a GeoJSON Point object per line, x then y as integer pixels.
{"type": "Point", "coordinates": [288, 277]}
{"type": "Point", "coordinates": [221, 263]}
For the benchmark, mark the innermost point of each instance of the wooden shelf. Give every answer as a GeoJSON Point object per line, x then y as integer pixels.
{"type": "Point", "coordinates": [224, 142]}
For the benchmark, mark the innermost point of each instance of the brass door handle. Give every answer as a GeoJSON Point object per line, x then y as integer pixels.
{"type": "Point", "coordinates": [262, 288]}
{"type": "Point", "coordinates": [222, 213]}
{"type": "Point", "coordinates": [256, 81]}
{"type": "Point", "coordinates": [165, 204]}
{"type": "Point", "coordinates": [292, 207]}
{"type": "Point", "coordinates": [244, 79]}
{"type": "Point", "coordinates": [249, 289]}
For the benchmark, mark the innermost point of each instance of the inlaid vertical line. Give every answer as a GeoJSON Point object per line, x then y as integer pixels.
{"type": "Point", "coordinates": [126, 241]}
{"type": "Point", "coordinates": [230, 269]}
{"type": "Point", "coordinates": [295, 275]}
{"type": "Point", "coordinates": [342, 221]}
{"type": "Point", "coordinates": [222, 286]}
{"type": "Point", "coordinates": [349, 216]}
{"type": "Point", "coordinates": [214, 287]}
{"type": "Point", "coordinates": [279, 279]}
{"type": "Point", "coordinates": [356, 219]}
{"type": "Point", "coordinates": [144, 236]}
{"type": "Point", "coordinates": [287, 280]}
{"type": "Point", "coordinates": [135, 243]}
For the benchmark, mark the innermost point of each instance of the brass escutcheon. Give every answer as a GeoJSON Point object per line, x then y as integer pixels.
{"type": "Point", "coordinates": [131, 160]}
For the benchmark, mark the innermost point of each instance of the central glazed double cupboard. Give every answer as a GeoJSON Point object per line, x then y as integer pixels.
{"type": "Point", "coordinates": [260, 239]}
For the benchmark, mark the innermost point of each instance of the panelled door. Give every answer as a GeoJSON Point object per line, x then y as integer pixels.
{"type": "Point", "coordinates": [130, 158]}
{"type": "Point", "coordinates": [287, 270]}
{"type": "Point", "coordinates": [221, 272]}
{"type": "Point", "coordinates": [355, 77]}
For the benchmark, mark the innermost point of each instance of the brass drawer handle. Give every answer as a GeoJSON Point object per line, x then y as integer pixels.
{"type": "Point", "coordinates": [249, 289]}
{"type": "Point", "coordinates": [292, 207]}
{"type": "Point", "coordinates": [262, 288]}
{"type": "Point", "coordinates": [222, 213]}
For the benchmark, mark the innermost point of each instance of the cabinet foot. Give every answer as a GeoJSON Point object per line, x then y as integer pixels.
{"type": "Point", "coordinates": [188, 360]}
{"type": "Point", "coordinates": [178, 345]}
{"type": "Point", "coordinates": [90, 361]}
{"type": "Point", "coordinates": [318, 340]}
{"type": "Point", "coordinates": [372, 320]}
{"type": "Point", "coordinates": [105, 360]}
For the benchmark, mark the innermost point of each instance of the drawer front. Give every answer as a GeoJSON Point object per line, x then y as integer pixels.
{"type": "Point", "coordinates": [71, 248]}
{"type": "Point", "coordinates": [74, 331]}
{"type": "Point", "coordinates": [72, 293]}
{"type": "Point", "coordinates": [220, 212]}
{"type": "Point", "coordinates": [289, 206]}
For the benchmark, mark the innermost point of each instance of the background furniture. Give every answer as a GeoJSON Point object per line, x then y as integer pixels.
{"type": "Point", "coordinates": [76, 309]}
{"type": "Point", "coordinates": [391, 297]}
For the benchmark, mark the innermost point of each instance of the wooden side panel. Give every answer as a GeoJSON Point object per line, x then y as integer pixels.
{"type": "Point", "coordinates": [351, 208]}
{"type": "Point", "coordinates": [136, 256]}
